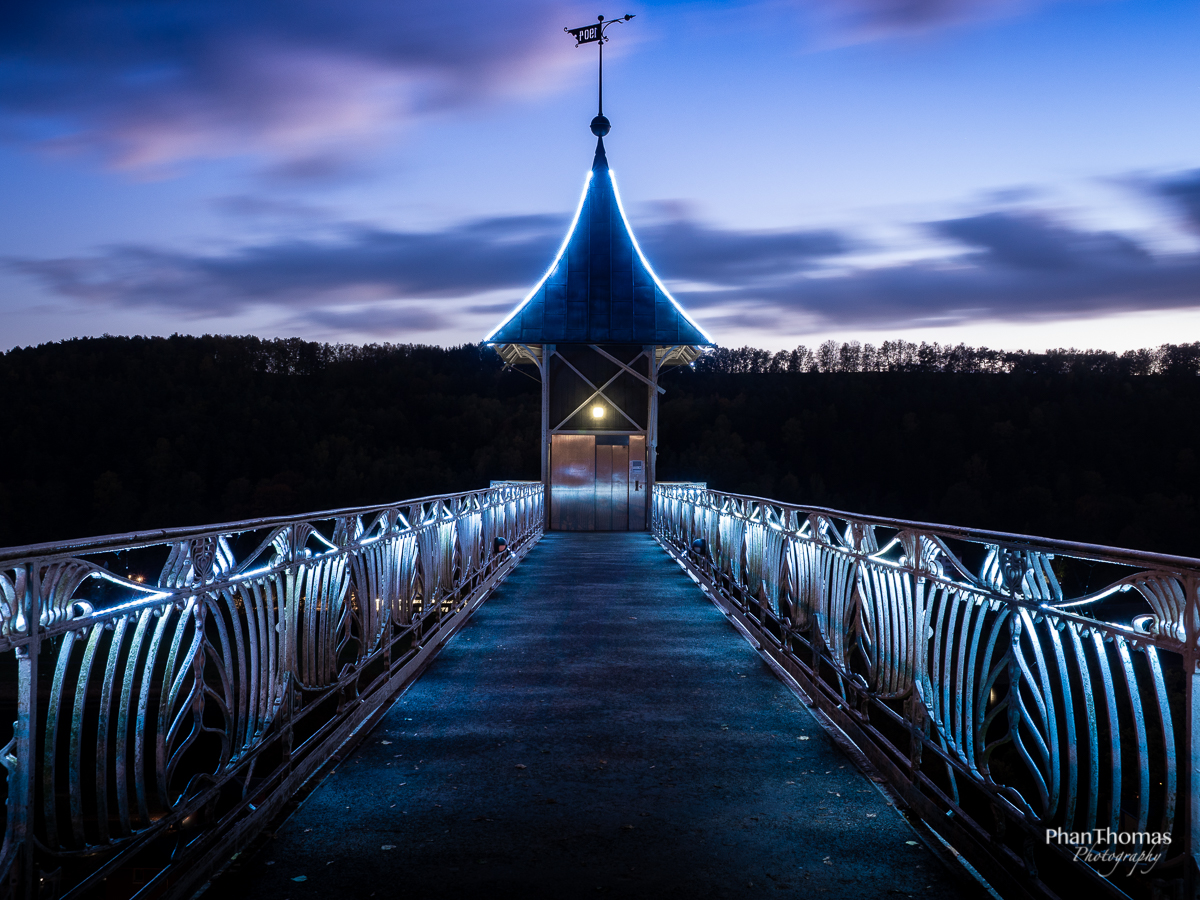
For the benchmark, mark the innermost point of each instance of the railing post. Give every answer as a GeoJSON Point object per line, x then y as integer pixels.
{"type": "Point", "coordinates": [1190, 782]}
{"type": "Point", "coordinates": [651, 431]}
{"type": "Point", "coordinates": [20, 803]}
{"type": "Point", "coordinates": [971, 629]}
{"type": "Point", "coordinates": [276, 634]}
{"type": "Point", "coordinates": [544, 368]}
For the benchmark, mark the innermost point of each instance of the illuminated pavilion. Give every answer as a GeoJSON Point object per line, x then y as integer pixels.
{"type": "Point", "coordinates": [599, 326]}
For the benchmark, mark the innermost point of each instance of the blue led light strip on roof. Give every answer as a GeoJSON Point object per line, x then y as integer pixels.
{"type": "Point", "coordinates": [617, 194]}
{"type": "Point", "coordinates": [587, 183]}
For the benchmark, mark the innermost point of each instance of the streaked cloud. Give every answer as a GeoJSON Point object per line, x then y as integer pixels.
{"type": "Point", "coordinates": [361, 264]}
{"type": "Point", "coordinates": [357, 265]}
{"type": "Point", "coordinates": [308, 86]}
{"type": "Point", "coordinates": [1183, 190]}
{"type": "Point", "coordinates": [1023, 241]}
{"type": "Point", "coordinates": [875, 19]}
{"type": "Point", "coordinates": [297, 82]}
{"type": "Point", "coordinates": [1012, 265]}
{"type": "Point", "coordinates": [699, 252]}
{"type": "Point", "coordinates": [376, 319]}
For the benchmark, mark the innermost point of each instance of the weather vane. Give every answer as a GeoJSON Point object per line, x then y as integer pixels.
{"type": "Point", "coordinates": [594, 34]}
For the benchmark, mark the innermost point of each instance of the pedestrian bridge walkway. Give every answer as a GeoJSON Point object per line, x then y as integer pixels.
{"type": "Point", "coordinates": [511, 712]}
{"type": "Point", "coordinates": [598, 727]}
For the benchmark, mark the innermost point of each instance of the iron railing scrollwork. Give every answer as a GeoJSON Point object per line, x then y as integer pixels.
{"type": "Point", "coordinates": [168, 692]}
{"type": "Point", "coordinates": [1007, 686]}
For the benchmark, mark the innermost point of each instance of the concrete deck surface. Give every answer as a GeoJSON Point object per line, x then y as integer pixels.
{"type": "Point", "coordinates": [597, 729]}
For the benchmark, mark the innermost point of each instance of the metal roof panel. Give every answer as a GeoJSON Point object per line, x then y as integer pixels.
{"type": "Point", "coordinates": [600, 288]}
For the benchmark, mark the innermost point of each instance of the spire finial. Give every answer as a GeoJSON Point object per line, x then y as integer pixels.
{"type": "Point", "coordinates": [590, 34]}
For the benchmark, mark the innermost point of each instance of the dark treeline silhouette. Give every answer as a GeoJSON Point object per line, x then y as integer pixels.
{"type": "Point", "coordinates": [1078, 445]}
{"type": "Point", "coordinates": [115, 434]}
{"type": "Point", "coordinates": [905, 356]}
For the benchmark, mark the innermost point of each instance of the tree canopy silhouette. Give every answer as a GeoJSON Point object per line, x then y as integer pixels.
{"type": "Point", "coordinates": [114, 434]}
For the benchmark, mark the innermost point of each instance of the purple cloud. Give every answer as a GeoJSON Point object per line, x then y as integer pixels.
{"type": "Point", "coordinates": [1026, 241]}
{"type": "Point", "coordinates": [1184, 191]}
{"type": "Point", "coordinates": [1014, 266]}
{"type": "Point", "coordinates": [686, 249]}
{"type": "Point", "coordinates": [873, 19]}
{"type": "Point", "coordinates": [146, 83]}
{"type": "Point", "coordinates": [364, 264]}
{"type": "Point", "coordinates": [376, 319]}
{"type": "Point", "coordinates": [361, 264]}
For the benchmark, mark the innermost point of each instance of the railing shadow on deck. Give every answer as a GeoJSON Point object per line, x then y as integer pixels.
{"type": "Point", "coordinates": [1033, 701]}
{"type": "Point", "coordinates": [170, 691]}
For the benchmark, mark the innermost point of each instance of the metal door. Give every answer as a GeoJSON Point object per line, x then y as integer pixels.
{"type": "Point", "coordinates": [604, 469]}
{"type": "Point", "coordinates": [592, 482]}
{"type": "Point", "coordinates": [612, 483]}
{"type": "Point", "coordinates": [573, 482]}
{"type": "Point", "coordinates": [638, 492]}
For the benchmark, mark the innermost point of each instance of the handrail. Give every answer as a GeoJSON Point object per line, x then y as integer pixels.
{"type": "Point", "coordinates": [158, 535]}
{"type": "Point", "coordinates": [171, 690]}
{"type": "Point", "coordinates": [1033, 701]}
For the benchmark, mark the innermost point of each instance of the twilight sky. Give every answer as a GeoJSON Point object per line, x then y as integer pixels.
{"type": "Point", "coordinates": [1008, 173]}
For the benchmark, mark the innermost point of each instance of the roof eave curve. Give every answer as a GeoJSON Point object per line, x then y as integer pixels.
{"type": "Point", "coordinates": [600, 287]}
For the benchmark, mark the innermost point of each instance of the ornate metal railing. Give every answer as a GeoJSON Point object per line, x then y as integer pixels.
{"type": "Point", "coordinates": [170, 691]}
{"type": "Point", "coordinates": [1033, 701]}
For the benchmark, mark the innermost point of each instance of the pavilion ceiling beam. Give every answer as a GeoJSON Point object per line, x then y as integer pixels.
{"type": "Point", "coordinates": [676, 350]}
{"type": "Point", "coordinates": [535, 358]}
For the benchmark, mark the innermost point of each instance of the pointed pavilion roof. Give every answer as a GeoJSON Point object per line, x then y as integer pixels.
{"type": "Point", "coordinates": [600, 289]}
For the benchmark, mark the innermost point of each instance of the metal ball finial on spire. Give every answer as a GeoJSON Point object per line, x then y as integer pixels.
{"type": "Point", "coordinates": [590, 34]}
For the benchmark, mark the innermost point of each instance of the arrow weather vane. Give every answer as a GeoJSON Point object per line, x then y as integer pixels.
{"type": "Point", "coordinates": [590, 34]}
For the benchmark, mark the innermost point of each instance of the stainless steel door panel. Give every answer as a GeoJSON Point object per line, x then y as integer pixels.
{"type": "Point", "coordinates": [573, 482]}
{"type": "Point", "coordinates": [604, 487]}
{"type": "Point", "coordinates": [638, 491]}
{"type": "Point", "coordinates": [619, 487]}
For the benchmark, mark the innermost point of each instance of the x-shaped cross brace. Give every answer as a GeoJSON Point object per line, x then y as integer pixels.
{"type": "Point", "coordinates": [599, 391]}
